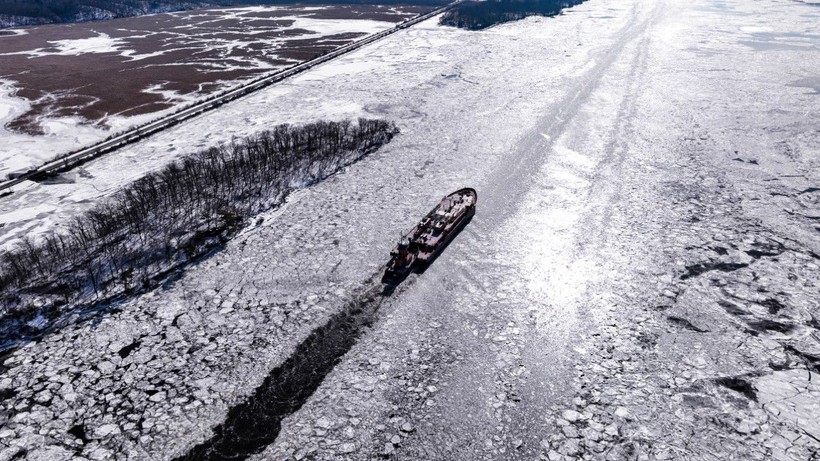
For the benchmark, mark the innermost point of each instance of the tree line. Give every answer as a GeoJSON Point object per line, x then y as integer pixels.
{"type": "Point", "coordinates": [171, 216]}
{"type": "Point", "coordinates": [477, 15]}
{"type": "Point", "coordinates": [49, 11]}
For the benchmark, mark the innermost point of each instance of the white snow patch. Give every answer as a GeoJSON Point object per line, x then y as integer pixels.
{"type": "Point", "coordinates": [792, 395]}
{"type": "Point", "coordinates": [25, 213]}
{"type": "Point", "coordinates": [14, 32]}
{"type": "Point", "coordinates": [10, 105]}
{"type": "Point", "coordinates": [167, 95]}
{"type": "Point", "coordinates": [102, 43]}
{"type": "Point", "coordinates": [756, 29]}
{"type": "Point", "coordinates": [324, 27]}
{"type": "Point", "coordinates": [168, 311]}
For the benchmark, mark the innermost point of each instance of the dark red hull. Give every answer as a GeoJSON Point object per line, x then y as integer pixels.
{"type": "Point", "coordinates": [433, 233]}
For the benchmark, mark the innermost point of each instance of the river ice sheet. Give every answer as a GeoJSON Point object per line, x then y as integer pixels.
{"type": "Point", "coordinates": [639, 281]}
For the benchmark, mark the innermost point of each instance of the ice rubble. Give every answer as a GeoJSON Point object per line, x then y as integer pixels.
{"type": "Point", "coordinates": [613, 148]}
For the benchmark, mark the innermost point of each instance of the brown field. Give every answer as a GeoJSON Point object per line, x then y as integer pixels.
{"type": "Point", "coordinates": [190, 54]}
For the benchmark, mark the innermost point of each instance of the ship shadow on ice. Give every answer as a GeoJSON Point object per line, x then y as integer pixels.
{"type": "Point", "coordinates": [255, 423]}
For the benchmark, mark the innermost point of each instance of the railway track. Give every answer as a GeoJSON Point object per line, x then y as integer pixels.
{"type": "Point", "coordinates": [140, 132]}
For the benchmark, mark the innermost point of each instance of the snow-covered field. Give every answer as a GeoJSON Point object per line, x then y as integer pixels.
{"type": "Point", "coordinates": [639, 281]}
{"type": "Point", "coordinates": [124, 72]}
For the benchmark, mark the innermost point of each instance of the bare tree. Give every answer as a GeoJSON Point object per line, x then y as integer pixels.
{"type": "Point", "coordinates": [166, 218]}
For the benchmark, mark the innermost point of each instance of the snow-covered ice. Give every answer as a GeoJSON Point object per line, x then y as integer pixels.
{"type": "Point", "coordinates": [639, 281]}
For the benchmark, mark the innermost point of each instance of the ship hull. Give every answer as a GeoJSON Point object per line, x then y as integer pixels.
{"type": "Point", "coordinates": [425, 242]}
{"type": "Point", "coordinates": [426, 259]}
{"type": "Point", "coordinates": [395, 277]}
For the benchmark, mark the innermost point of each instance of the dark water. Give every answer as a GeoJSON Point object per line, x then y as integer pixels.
{"type": "Point", "coordinates": [477, 15]}
{"type": "Point", "coordinates": [254, 424]}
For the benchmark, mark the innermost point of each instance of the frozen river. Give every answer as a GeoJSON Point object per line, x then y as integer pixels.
{"type": "Point", "coordinates": [639, 281]}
